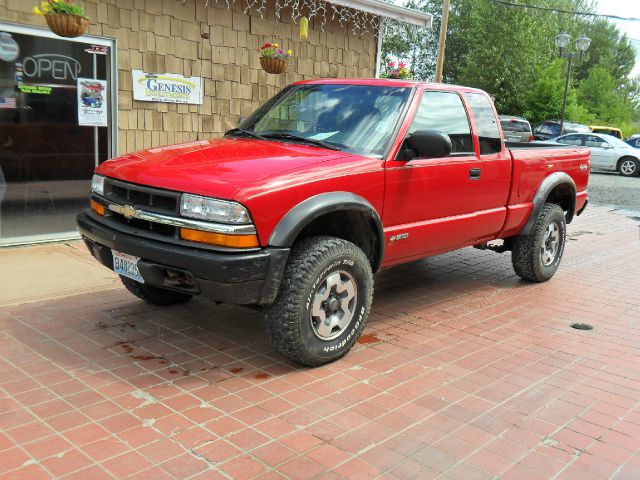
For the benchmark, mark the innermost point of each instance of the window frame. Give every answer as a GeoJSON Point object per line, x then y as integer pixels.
{"type": "Point", "coordinates": [466, 111]}
{"type": "Point", "coordinates": [475, 123]}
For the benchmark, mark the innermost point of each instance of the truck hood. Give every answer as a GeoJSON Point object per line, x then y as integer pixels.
{"type": "Point", "coordinates": [216, 168]}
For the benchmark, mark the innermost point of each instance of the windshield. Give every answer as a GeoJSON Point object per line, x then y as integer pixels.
{"type": "Point", "coordinates": [354, 118]}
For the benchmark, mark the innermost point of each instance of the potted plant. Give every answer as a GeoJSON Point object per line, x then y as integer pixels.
{"type": "Point", "coordinates": [63, 17]}
{"type": "Point", "coordinates": [274, 59]}
{"type": "Point", "coordinates": [398, 72]}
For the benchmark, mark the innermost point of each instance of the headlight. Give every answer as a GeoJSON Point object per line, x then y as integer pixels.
{"type": "Point", "coordinates": [97, 184]}
{"type": "Point", "coordinates": [204, 208]}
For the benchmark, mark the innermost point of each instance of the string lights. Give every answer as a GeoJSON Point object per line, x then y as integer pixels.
{"type": "Point", "coordinates": [361, 23]}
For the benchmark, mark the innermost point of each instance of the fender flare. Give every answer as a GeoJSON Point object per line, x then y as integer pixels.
{"type": "Point", "coordinates": [540, 198]}
{"type": "Point", "coordinates": [296, 219]}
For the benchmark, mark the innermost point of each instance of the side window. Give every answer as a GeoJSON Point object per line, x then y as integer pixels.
{"type": "Point", "coordinates": [593, 141]}
{"type": "Point", "coordinates": [571, 140]}
{"type": "Point", "coordinates": [444, 112]}
{"type": "Point", "coordinates": [486, 123]}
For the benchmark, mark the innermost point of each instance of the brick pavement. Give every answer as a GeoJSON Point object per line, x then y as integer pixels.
{"type": "Point", "coordinates": [464, 372]}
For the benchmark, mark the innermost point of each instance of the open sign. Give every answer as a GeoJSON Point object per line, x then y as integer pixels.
{"type": "Point", "coordinates": [56, 66]}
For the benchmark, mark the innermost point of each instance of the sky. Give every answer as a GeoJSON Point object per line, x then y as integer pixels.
{"type": "Point", "coordinates": [625, 8]}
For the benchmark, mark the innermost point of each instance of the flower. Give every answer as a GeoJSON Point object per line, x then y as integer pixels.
{"type": "Point", "coordinates": [289, 52]}
{"type": "Point", "coordinates": [275, 45]}
{"type": "Point", "coordinates": [37, 11]}
{"type": "Point", "coordinates": [401, 64]}
{"type": "Point", "coordinates": [392, 64]}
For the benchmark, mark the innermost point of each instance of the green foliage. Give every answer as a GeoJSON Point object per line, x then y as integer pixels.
{"type": "Point", "coordinates": [66, 7]}
{"type": "Point", "coordinates": [511, 54]}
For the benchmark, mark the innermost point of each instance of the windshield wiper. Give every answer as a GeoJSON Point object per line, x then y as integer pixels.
{"type": "Point", "coordinates": [243, 131]}
{"type": "Point", "coordinates": [300, 138]}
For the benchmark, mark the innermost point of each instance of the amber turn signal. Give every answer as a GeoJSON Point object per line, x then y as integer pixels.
{"type": "Point", "coordinates": [97, 207]}
{"type": "Point", "coordinates": [219, 239]}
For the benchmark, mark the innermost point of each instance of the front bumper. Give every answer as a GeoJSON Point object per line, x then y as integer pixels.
{"type": "Point", "coordinates": [240, 278]}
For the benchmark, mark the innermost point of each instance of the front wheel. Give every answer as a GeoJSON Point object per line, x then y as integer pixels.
{"type": "Point", "coordinates": [536, 257]}
{"type": "Point", "coordinates": [324, 301]}
{"type": "Point", "coordinates": [628, 167]}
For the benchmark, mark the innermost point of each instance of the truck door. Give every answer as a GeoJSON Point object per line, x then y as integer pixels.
{"type": "Point", "coordinates": [439, 204]}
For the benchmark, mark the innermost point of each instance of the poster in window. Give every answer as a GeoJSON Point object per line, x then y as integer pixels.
{"type": "Point", "coordinates": [92, 102]}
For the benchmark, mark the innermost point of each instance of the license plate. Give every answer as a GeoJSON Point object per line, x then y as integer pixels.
{"type": "Point", "coordinates": [126, 265]}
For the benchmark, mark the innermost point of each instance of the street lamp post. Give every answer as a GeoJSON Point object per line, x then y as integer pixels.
{"type": "Point", "coordinates": [562, 41]}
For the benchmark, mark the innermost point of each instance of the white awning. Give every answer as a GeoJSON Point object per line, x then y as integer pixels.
{"type": "Point", "coordinates": [388, 10]}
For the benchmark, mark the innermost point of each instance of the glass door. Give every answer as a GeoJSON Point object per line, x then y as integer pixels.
{"type": "Point", "coordinates": [48, 148]}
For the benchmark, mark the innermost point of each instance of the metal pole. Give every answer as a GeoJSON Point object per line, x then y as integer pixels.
{"type": "Point", "coordinates": [379, 48]}
{"type": "Point", "coordinates": [96, 159]}
{"type": "Point", "coordinates": [566, 89]}
{"type": "Point", "coordinates": [442, 40]}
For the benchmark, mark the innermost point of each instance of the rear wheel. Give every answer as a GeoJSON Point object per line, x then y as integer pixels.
{"type": "Point", "coordinates": [536, 257]}
{"type": "Point", "coordinates": [629, 167]}
{"type": "Point", "coordinates": [323, 303]}
{"type": "Point", "coordinates": [154, 295]}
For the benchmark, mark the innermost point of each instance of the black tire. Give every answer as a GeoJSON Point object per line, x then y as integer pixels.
{"type": "Point", "coordinates": [292, 328]}
{"type": "Point", "coordinates": [628, 167]}
{"type": "Point", "coordinates": [154, 295]}
{"type": "Point", "coordinates": [527, 255]}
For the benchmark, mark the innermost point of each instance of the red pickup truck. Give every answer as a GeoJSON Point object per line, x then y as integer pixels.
{"type": "Point", "coordinates": [324, 185]}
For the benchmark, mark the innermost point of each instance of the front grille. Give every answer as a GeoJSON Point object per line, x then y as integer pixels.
{"type": "Point", "coordinates": [146, 198]}
{"type": "Point", "coordinates": [142, 198]}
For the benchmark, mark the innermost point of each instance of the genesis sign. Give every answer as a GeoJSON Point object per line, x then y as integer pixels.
{"type": "Point", "coordinates": [166, 87]}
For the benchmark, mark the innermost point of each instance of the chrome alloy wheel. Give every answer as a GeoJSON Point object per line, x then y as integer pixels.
{"type": "Point", "coordinates": [333, 305]}
{"type": "Point", "coordinates": [628, 167]}
{"type": "Point", "coordinates": [550, 244]}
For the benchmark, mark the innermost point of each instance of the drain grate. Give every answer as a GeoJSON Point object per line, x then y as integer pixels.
{"type": "Point", "coordinates": [581, 326]}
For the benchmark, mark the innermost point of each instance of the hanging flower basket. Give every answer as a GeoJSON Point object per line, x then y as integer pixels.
{"type": "Point", "coordinates": [67, 25]}
{"type": "Point", "coordinates": [63, 17]}
{"type": "Point", "coordinates": [274, 65]}
{"type": "Point", "coordinates": [273, 59]}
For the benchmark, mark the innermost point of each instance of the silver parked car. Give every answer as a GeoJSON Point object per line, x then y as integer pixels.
{"type": "Point", "coordinates": [607, 152]}
{"type": "Point", "coordinates": [516, 129]}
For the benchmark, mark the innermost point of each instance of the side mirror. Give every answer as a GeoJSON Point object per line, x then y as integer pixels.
{"type": "Point", "coordinates": [429, 144]}
{"type": "Point", "coordinates": [241, 119]}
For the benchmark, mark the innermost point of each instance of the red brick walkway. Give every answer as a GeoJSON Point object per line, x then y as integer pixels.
{"type": "Point", "coordinates": [464, 373]}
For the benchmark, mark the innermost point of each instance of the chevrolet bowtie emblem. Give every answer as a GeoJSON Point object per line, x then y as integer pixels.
{"type": "Point", "coordinates": [127, 211]}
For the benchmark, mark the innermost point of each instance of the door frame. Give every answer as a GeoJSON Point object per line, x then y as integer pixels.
{"type": "Point", "coordinates": [112, 148]}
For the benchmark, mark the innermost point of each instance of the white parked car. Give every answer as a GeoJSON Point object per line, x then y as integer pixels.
{"type": "Point", "coordinates": [607, 152]}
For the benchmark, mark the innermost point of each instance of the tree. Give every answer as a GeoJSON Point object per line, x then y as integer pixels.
{"type": "Point", "coordinates": [599, 94]}
{"type": "Point", "coordinates": [608, 49]}
{"type": "Point", "coordinates": [415, 45]}
{"type": "Point", "coordinates": [545, 97]}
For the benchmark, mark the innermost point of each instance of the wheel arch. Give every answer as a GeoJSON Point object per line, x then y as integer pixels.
{"type": "Point", "coordinates": [557, 188]}
{"type": "Point", "coordinates": [341, 214]}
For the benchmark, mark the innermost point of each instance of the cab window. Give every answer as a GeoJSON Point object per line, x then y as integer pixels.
{"type": "Point", "coordinates": [444, 112]}
{"type": "Point", "coordinates": [486, 123]}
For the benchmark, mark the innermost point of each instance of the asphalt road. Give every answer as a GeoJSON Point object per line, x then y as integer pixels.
{"type": "Point", "coordinates": [614, 190]}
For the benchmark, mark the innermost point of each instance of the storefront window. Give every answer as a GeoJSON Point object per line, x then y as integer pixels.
{"type": "Point", "coordinates": [46, 155]}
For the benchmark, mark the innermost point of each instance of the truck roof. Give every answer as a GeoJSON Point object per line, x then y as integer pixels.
{"type": "Point", "coordinates": [388, 82]}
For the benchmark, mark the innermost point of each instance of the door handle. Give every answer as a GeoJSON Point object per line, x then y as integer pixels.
{"type": "Point", "coordinates": [474, 173]}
